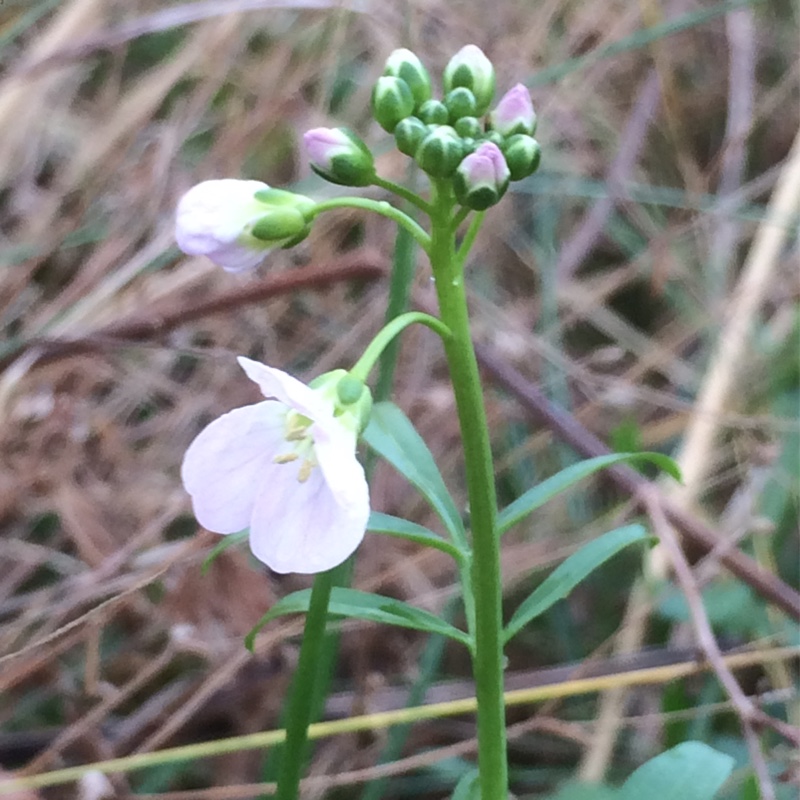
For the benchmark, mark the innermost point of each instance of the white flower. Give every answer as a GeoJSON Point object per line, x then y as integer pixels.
{"type": "Point", "coordinates": [211, 220]}
{"type": "Point", "coordinates": [286, 468]}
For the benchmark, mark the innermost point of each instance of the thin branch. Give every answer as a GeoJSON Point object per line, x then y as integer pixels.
{"type": "Point", "coordinates": [364, 265]}
{"type": "Point", "coordinates": [705, 636]}
{"type": "Point", "coordinates": [580, 244]}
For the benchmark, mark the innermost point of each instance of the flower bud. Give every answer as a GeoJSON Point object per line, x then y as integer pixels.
{"type": "Point", "coordinates": [409, 133]}
{"type": "Point", "coordinates": [468, 127]}
{"type": "Point", "coordinates": [339, 156]}
{"type": "Point", "coordinates": [481, 178]}
{"type": "Point", "coordinates": [434, 112]}
{"type": "Point", "coordinates": [405, 65]}
{"type": "Point", "coordinates": [392, 101]}
{"type": "Point", "coordinates": [460, 103]}
{"type": "Point", "coordinates": [216, 219]}
{"type": "Point", "coordinates": [470, 68]}
{"type": "Point", "coordinates": [523, 155]}
{"type": "Point", "coordinates": [514, 113]}
{"type": "Point", "coordinates": [440, 152]}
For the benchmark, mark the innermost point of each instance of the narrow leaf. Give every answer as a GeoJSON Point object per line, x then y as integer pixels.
{"type": "Point", "coordinates": [362, 605]}
{"type": "Point", "coordinates": [391, 435]}
{"type": "Point", "coordinates": [227, 541]}
{"type": "Point", "coordinates": [402, 528]}
{"type": "Point", "coordinates": [468, 787]}
{"type": "Point", "coordinates": [540, 494]}
{"type": "Point", "coordinates": [690, 771]}
{"type": "Point", "coordinates": [567, 575]}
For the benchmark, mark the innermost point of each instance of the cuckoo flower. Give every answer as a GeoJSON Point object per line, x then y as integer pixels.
{"type": "Point", "coordinates": [235, 223]}
{"type": "Point", "coordinates": [286, 468]}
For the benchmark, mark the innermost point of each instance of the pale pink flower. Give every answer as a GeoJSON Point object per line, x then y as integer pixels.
{"type": "Point", "coordinates": [211, 220]}
{"type": "Point", "coordinates": [286, 469]}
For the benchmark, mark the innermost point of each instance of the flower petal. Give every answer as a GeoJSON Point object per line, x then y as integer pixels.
{"type": "Point", "coordinates": [225, 464]}
{"type": "Point", "coordinates": [308, 527]}
{"type": "Point", "coordinates": [288, 390]}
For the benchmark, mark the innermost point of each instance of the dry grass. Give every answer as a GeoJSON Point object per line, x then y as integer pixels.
{"type": "Point", "coordinates": [593, 282]}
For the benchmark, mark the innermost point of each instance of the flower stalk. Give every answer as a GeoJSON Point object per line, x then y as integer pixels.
{"type": "Point", "coordinates": [485, 575]}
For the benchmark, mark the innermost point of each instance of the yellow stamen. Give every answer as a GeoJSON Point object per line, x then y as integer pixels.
{"type": "Point", "coordinates": [285, 458]}
{"type": "Point", "coordinates": [304, 473]}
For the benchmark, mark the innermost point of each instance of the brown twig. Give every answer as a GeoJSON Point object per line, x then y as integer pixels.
{"type": "Point", "coordinates": [705, 636]}
{"type": "Point", "coordinates": [582, 240]}
{"type": "Point", "coordinates": [587, 444]}
{"type": "Point", "coordinates": [364, 265]}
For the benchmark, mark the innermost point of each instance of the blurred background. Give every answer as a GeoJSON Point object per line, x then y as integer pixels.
{"type": "Point", "coordinates": [605, 281]}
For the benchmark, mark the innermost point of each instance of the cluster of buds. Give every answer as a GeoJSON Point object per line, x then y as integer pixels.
{"type": "Point", "coordinates": [455, 137]}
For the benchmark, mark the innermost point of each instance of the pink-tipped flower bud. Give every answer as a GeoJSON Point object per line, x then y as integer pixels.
{"type": "Point", "coordinates": [405, 64]}
{"type": "Point", "coordinates": [481, 178]}
{"type": "Point", "coordinates": [470, 68]}
{"type": "Point", "coordinates": [218, 218]}
{"type": "Point", "coordinates": [514, 113]}
{"type": "Point", "coordinates": [339, 156]}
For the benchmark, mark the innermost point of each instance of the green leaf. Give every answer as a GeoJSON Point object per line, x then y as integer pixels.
{"type": "Point", "coordinates": [402, 528]}
{"type": "Point", "coordinates": [567, 575]}
{"type": "Point", "coordinates": [690, 771]}
{"type": "Point", "coordinates": [540, 494]}
{"type": "Point", "coordinates": [391, 435]}
{"type": "Point", "coordinates": [363, 605]}
{"type": "Point", "coordinates": [227, 541]}
{"type": "Point", "coordinates": [468, 787]}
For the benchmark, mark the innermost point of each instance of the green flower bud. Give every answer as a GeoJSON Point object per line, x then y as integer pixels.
{"type": "Point", "coordinates": [440, 152]}
{"type": "Point", "coordinates": [409, 133]}
{"type": "Point", "coordinates": [495, 138]}
{"type": "Point", "coordinates": [392, 100]}
{"type": "Point", "coordinates": [470, 68]}
{"type": "Point", "coordinates": [405, 65]}
{"type": "Point", "coordinates": [434, 112]}
{"type": "Point", "coordinates": [523, 155]}
{"type": "Point", "coordinates": [460, 103]}
{"type": "Point", "coordinates": [339, 156]}
{"type": "Point", "coordinates": [468, 127]}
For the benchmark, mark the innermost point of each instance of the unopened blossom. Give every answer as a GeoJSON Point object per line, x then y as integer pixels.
{"type": "Point", "coordinates": [482, 177]}
{"type": "Point", "coordinates": [470, 68]}
{"type": "Point", "coordinates": [338, 155]}
{"type": "Point", "coordinates": [217, 218]}
{"type": "Point", "coordinates": [286, 469]}
{"type": "Point", "coordinates": [514, 113]}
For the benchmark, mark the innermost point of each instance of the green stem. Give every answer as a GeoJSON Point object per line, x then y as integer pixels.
{"type": "Point", "coordinates": [403, 264]}
{"type": "Point", "coordinates": [485, 571]}
{"type": "Point", "coordinates": [401, 191]}
{"type": "Point", "coordinates": [379, 207]}
{"type": "Point", "coordinates": [302, 696]}
{"type": "Point", "coordinates": [387, 334]}
{"type": "Point", "coordinates": [469, 238]}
